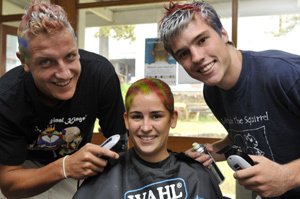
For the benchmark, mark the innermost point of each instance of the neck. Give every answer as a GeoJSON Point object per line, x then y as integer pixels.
{"type": "Point", "coordinates": [154, 158]}
{"type": "Point", "coordinates": [52, 102]}
{"type": "Point", "coordinates": [234, 69]}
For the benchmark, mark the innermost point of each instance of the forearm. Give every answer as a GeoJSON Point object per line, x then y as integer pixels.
{"type": "Point", "coordinates": [218, 146]}
{"type": "Point", "coordinates": [293, 174]}
{"type": "Point", "coordinates": [19, 183]}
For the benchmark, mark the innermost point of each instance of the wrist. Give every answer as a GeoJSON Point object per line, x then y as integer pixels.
{"type": "Point", "coordinates": [293, 175]}
{"type": "Point", "coordinates": [64, 167]}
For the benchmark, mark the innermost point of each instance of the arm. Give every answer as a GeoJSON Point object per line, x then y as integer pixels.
{"type": "Point", "coordinates": [218, 146]}
{"type": "Point", "coordinates": [268, 178]}
{"type": "Point", "coordinates": [16, 182]}
{"type": "Point", "coordinates": [111, 106]}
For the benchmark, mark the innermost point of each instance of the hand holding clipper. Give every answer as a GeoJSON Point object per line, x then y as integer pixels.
{"type": "Point", "coordinates": [236, 158]}
{"type": "Point", "coordinates": [213, 166]}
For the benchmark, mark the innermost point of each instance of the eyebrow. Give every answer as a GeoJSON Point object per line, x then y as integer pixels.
{"type": "Point", "coordinates": [152, 112]}
{"type": "Point", "coordinates": [134, 112]}
{"type": "Point", "coordinates": [193, 40]}
{"type": "Point", "coordinates": [47, 56]}
{"type": "Point", "coordinates": [156, 112]}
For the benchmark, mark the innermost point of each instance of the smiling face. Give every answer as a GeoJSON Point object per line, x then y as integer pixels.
{"type": "Point", "coordinates": [54, 65]}
{"type": "Point", "coordinates": [149, 123]}
{"type": "Point", "coordinates": [203, 52]}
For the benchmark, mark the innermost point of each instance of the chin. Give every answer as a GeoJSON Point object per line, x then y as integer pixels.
{"type": "Point", "coordinates": [145, 150]}
{"type": "Point", "coordinates": [65, 96]}
{"type": "Point", "coordinates": [211, 82]}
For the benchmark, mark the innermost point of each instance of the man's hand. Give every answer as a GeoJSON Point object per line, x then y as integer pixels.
{"type": "Point", "coordinates": [266, 178]}
{"type": "Point", "coordinates": [202, 158]}
{"type": "Point", "coordinates": [85, 163]}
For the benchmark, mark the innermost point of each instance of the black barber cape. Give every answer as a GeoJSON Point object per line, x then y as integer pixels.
{"type": "Point", "coordinates": [178, 176]}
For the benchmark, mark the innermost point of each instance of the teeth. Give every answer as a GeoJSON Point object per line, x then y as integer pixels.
{"type": "Point", "coordinates": [63, 83]}
{"type": "Point", "coordinates": [207, 67]}
{"type": "Point", "coordinates": [146, 138]}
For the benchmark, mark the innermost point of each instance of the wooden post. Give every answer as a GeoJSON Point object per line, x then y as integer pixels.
{"type": "Point", "coordinates": [234, 21]}
{"type": "Point", "coordinates": [70, 6]}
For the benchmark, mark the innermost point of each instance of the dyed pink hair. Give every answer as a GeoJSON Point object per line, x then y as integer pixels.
{"type": "Point", "coordinates": [41, 17]}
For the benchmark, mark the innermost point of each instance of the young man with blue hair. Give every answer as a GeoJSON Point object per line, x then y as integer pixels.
{"type": "Point", "coordinates": [255, 95]}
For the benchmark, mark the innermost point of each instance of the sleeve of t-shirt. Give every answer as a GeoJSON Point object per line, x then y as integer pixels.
{"type": "Point", "coordinates": [12, 143]}
{"type": "Point", "coordinates": [111, 106]}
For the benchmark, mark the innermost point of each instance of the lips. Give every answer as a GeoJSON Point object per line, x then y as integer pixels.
{"type": "Point", "coordinates": [65, 83]}
{"type": "Point", "coordinates": [206, 68]}
{"type": "Point", "coordinates": [147, 138]}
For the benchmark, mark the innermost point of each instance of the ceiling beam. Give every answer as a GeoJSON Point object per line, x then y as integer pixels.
{"type": "Point", "coordinates": [118, 3]}
{"type": "Point", "coordinates": [10, 18]}
{"type": "Point", "coordinates": [104, 13]}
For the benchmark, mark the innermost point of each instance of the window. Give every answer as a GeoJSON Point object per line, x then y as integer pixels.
{"type": "Point", "coordinates": [11, 49]}
{"type": "Point", "coordinates": [265, 32]}
{"type": "Point", "coordinates": [256, 31]}
{"type": "Point", "coordinates": [128, 57]}
{"type": "Point", "coordinates": [11, 7]}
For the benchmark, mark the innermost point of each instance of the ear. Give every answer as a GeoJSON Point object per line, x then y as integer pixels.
{"type": "Point", "coordinates": [174, 119]}
{"type": "Point", "coordinates": [224, 35]}
{"type": "Point", "coordinates": [23, 62]}
{"type": "Point", "coordinates": [125, 116]}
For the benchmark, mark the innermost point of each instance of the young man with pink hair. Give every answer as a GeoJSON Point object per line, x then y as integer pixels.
{"type": "Point", "coordinates": [49, 106]}
{"type": "Point", "coordinates": [255, 95]}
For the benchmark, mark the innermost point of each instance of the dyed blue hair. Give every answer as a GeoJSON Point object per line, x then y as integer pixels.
{"type": "Point", "coordinates": [178, 16]}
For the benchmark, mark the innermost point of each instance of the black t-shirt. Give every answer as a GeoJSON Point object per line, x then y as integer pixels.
{"type": "Point", "coordinates": [31, 130]}
{"type": "Point", "coordinates": [261, 112]}
{"type": "Point", "coordinates": [178, 176]}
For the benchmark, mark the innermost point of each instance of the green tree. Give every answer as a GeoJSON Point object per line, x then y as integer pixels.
{"type": "Point", "coordinates": [286, 24]}
{"type": "Point", "coordinates": [118, 32]}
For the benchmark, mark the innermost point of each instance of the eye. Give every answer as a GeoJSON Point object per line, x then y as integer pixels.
{"type": "Point", "coordinates": [157, 115]}
{"type": "Point", "coordinates": [202, 40]}
{"type": "Point", "coordinates": [183, 54]}
{"type": "Point", "coordinates": [136, 116]}
{"type": "Point", "coordinates": [70, 56]}
{"type": "Point", "coordinates": [45, 62]}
